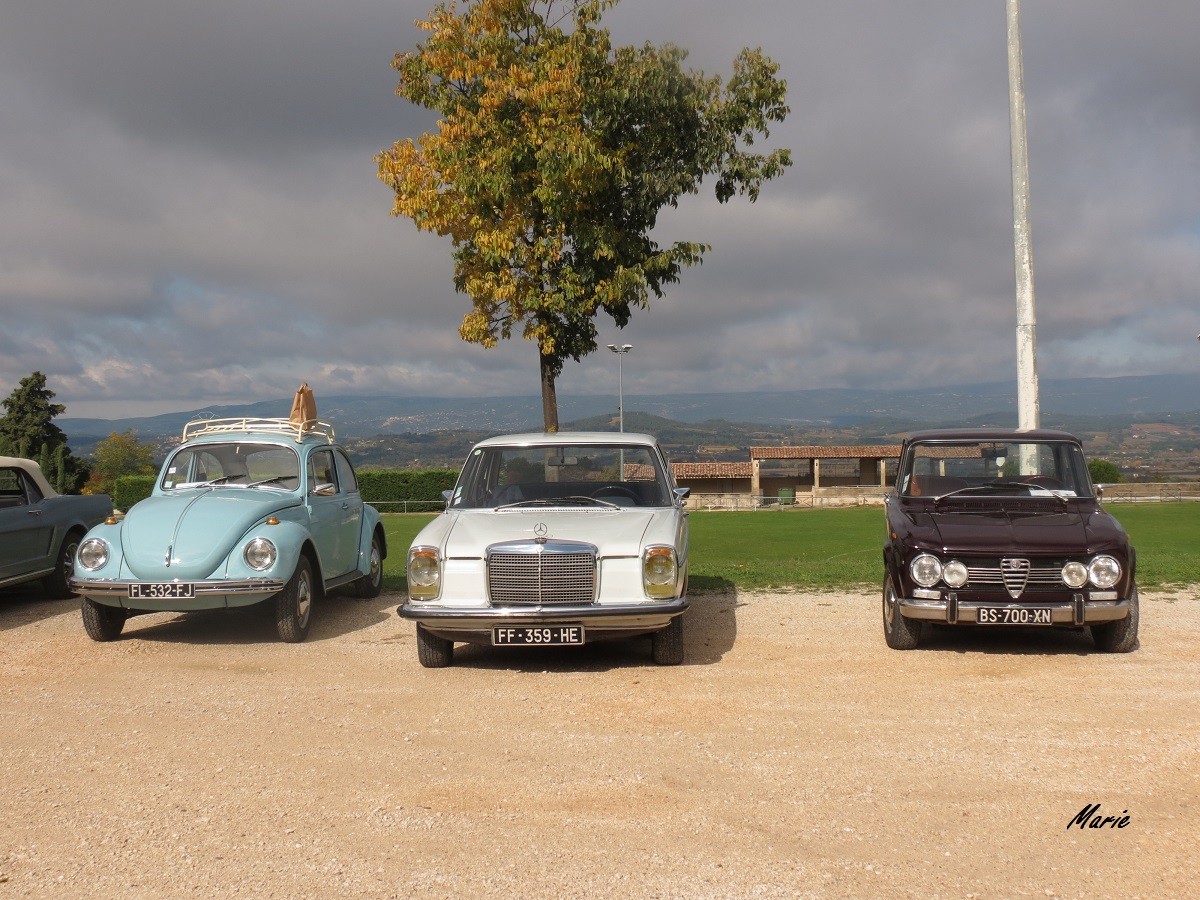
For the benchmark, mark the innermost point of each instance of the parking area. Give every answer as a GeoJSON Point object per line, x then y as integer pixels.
{"type": "Point", "coordinates": [791, 755]}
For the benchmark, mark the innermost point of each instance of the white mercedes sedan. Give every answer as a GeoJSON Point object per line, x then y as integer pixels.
{"type": "Point", "coordinates": [553, 540]}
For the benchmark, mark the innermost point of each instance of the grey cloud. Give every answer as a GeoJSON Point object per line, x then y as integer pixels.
{"type": "Point", "coordinates": [192, 212]}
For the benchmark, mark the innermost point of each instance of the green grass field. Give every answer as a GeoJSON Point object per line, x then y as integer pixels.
{"type": "Point", "coordinates": [834, 549]}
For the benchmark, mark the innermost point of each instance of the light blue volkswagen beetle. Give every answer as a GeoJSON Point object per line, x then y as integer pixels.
{"type": "Point", "coordinates": [244, 510]}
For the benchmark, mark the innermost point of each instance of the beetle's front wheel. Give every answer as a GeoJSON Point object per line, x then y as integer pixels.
{"type": "Point", "coordinates": [103, 623]}
{"type": "Point", "coordinates": [293, 605]}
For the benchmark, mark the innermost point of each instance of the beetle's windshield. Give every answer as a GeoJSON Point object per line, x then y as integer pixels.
{"type": "Point", "coordinates": [233, 464]}
{"type": "Point", "coordinates": [601, 477]}
{"type": "Point", "coordinates": [994, 468]}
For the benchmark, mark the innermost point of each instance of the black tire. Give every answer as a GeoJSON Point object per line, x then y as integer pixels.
{"type": "Point", "coordinates": [900, 632]}
{"type": "Point", "coordinates": [433, 652]}
{"type": "Point", "coordinates": [55, 583]}
{"type": "Point", "coordinates": [294, 604]}
{"type": "Point", "coordinates": [370, 585]}
{"type": "Point", "coordinates": [666, 644]}
{"type": "Point", "coordinates": [103, 623]}
{"type": "Point", "coordinates": [1120, 636]}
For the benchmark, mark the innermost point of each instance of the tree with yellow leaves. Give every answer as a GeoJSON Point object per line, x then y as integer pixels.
{"type": "Point", "coordinates": [553, 156]}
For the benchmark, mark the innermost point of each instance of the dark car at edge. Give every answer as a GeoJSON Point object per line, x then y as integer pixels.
{"type": "Point", "coordinates": [989, 527]}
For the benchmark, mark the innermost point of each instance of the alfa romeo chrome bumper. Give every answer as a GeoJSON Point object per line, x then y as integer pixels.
{"type": "Point", "coordinates": [951, 609]}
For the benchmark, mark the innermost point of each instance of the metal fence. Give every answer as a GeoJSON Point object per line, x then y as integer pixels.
{"type": "Point", "coordinates": [799, 500]}
{"type": "Point", "coordinates": [1135, 492]}
{"type": "Point", "coordinates": [408, 506]}
{"type": "Point", "coordinates": [838, 497]}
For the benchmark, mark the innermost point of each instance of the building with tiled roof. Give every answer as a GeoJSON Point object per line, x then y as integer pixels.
{"type": "Point", "coordinates": [786, 471]}
{"type": "Point", "coordinates": [871, 451]}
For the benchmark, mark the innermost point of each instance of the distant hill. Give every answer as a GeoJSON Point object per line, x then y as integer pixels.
{"type": "Point", "coordinates": [433, 432]}
{"type": "Point", "coordinates": [360, 417]}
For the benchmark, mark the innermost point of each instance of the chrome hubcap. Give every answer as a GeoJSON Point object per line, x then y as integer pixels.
{"type": "Point", "coordinates": [303, 599]}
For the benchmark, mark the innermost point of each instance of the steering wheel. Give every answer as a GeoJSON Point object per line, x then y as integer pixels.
{"type": "Point", "coordinates": [615, 490]}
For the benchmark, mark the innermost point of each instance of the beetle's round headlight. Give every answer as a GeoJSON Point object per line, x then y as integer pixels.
{"type": "Point", "coordinates": [926, 570]}
{"type": "Point", "coordinates": [1074, 574]}
{"type": "Point", "coordinates": [955, 574]}
{"type": "Point", "coordinates": [1104, 571]}
{"type": "Point", "coordinates": [260, 554]}
{"type": "Point", "coordinates": [93, 554]}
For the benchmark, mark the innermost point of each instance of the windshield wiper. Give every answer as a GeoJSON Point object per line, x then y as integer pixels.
{"type": "Point", "coordinates": [274, 480]}
{"type": "Point", "coordinates": [559, 501]}
{"type": "Point", "coordinates": [996, 486]}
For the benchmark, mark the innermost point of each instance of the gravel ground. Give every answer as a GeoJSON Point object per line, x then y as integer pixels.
{"type": "Point", "coordinates": [793, 755]}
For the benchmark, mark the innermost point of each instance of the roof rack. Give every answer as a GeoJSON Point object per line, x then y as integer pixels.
{"type": "Point", "coordinates": [296, 430]}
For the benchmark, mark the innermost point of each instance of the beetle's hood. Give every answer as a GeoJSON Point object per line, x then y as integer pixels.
{"type": "Point", "coordinates": [613, 532]}
{"type": "Point", "coordinates": [198, 528]}
{"type": "Point", "coordinates": [1059, 533]}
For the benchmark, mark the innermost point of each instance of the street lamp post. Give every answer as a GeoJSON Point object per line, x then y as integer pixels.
{"type": "Point", "coordinates": [620, 351]}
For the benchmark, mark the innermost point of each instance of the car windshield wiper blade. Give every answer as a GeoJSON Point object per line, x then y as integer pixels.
{"type": "Point", "coordinates": [997, 486]}
{"type": "Point", "coordinates": [595, 501]}
{"type": "Point", "coordinates": [274, 480]}
{"type": "Point", "coordinates": [183, 485]}
{"type": "Point", "coordinates": [573, 500]}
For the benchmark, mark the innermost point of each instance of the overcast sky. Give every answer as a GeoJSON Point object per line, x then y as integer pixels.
{"type": "Point", "coordinates": [191, 212]}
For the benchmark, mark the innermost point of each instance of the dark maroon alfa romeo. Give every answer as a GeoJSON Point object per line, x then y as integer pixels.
{"type": "Point", "coordinates": [1003, 528]}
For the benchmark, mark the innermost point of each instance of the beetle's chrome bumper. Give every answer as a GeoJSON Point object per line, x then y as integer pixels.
{"type": "Point", "coordinates": [207, 594]}
{"type": "Point", "coordinates": [614, 619]}
{"type": "Point", "coordinates": [952, 610]}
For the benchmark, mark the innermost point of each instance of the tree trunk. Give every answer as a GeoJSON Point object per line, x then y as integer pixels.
{"type": "Point", "coordinates": [549, 395]}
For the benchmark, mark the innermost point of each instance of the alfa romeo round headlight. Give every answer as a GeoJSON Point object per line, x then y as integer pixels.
{"type": "Point", "coordinates": [1074, 574]}
{"type": "Point", "coordinates": [1104, 571]}
{"type": "Point", "coordinates": [955, 574]}
{"type": "Point", "coordinates": [926, 570]}
{"type": "Point", "coordinates": [93, 554]}
{"type": "Point", "coordinates": [260, 554]}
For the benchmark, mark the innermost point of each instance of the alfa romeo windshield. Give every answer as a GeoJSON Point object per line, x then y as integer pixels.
{"type": "Point", "coordinates": [938, 469]}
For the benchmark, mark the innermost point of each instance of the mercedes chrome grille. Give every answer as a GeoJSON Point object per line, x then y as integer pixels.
{"type": "Point", "coordinates": [532, 573]}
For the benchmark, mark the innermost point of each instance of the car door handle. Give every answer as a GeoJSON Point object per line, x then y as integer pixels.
{"type": "Point", "coordinates": [34, 512]}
